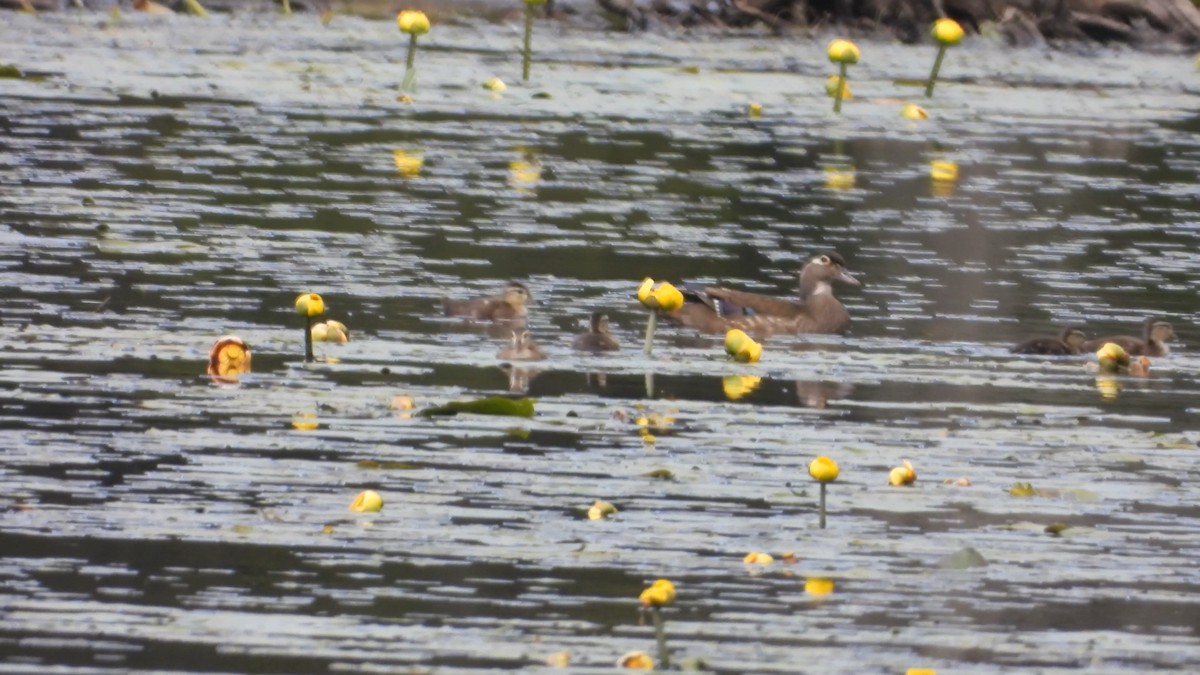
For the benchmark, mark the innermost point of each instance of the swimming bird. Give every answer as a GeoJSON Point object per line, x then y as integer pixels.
{"type": "Point", "coordinates": [1070, 341]}
{"type": "Point", "coordinates": [522, 348]}
{"type": "Point", "coordinates": [597, 338]}
{"type": "Point", "coordinates": [1153, 342]}
{"type": "Point", "coordinates": [815, 310]}
{"type": "Point", "coordinates": [509, 305]}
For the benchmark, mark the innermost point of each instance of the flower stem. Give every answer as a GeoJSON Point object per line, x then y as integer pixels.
{"type": "Point", "coordinates": [308, 347]}
{"type": "Point", "coordinates": [410, 71]}
{"type": "Point", "coordinates": [841, 89]}
{"type": "Point", "coordinates": [287, 7]}
{"type": "Point", "coordinates": [660, 635]}
{"type": "Point", "coordinates": [196, 8]}
{"type": "Point", "coordinates": [937, 65]}
{"type": "Point", "coordinates": [650, 324]}
{"type": "Point", "coordinates": [822, 506]}
{"type": "Point", "coordinates": [528, 55]}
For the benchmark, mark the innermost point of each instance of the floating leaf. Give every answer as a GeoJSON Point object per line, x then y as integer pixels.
{"type": "Point", "coordinates": [661, 474]}
{"type": "Point", "coordinates": [10, 71]}
{"type": "Point", "coordinates": [492, 405]}
{"type": "Point", "coordinates": [1056, 529]}
{"type": "Point", "coordinates": [963, 559]}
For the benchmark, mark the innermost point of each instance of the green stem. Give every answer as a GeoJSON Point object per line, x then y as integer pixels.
{"type": "Point", "coordinates": [649, 385]}
{"type": "Point", "coordinates": [308, 346]}
{"type": "Point", "coordinates": [410, 70]}
{"type": "Point", "coordinates": [528, 57]}
{"type": "Point", "coordinates": [650, 324]}
{"type": "Point", "coordinates": [841, 89]}
{"type": "Point", "coordinates": [287, 7]}
{"type": "Point", "coordinates": [660, 635]}
{"type": "Point", "coordinates": [822, 506]}
{"type": "Point", "coordinates": [937, 65]}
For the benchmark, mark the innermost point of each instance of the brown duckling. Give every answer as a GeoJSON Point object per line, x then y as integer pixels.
{"type": "Point", "coordinates": [1070, 341]}
{"type": "Point", "coordinates": [1153, 342]}
{"type": "Point", "coordinates": [815, 310]}
{"type": "Point", "coordinates": [598, 338]}
{"type": "Point", "coordinates": [522, 348]}
{"type": "Point", "coordinates": [507, 306]}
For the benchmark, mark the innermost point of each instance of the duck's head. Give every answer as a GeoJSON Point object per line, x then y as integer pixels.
{"type": "Point", "coordinates": [1073, 338]}
{"type": "Point", "coordinates": [520, 339]}
{"type": "Point", "coordinates": [599, 322]}
{"type": "Point", "coordinates": [821, 270]}
{"type": "Point", "coordinates": [516, 294]}
{"type": "Point", "coordinates": [1160, 331]}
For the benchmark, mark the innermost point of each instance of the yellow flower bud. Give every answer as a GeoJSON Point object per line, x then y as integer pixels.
{"type": "Point", "coordinates": [644, 290]}
{"type": "Point", "coordinates": [818, 586]}
{"type": "Point", "coordinates": [1113, 358]}
{"type": "Point", "coordinates": [913, 111]}
{"type": "Point", "coordinates": [668, 297]}
{"type": "Point", "coordinates": [310, 304]}
{"type": "Point", "coordinates": [750, 352]}
{"type": "Point", "coordinates": [407, 165]}
{"type": "Point", "coordinates": [305, 422]}
{"type": "Point", "coordinates": [947, 32]}
{"type": "Point", "coordinates": [367, 501]}
{"type": "Point", "coordinates": [735, 338]}
{"type": "Point", "coordinates": [756, 110]}
{"type": "Point", "coordinates": [601, 510]}
{"type": "Point", "coordinates": [823, 469]}
{"type": "Point", "coordinates": [495, 84]}
{"type": "Point", "coordinates": [331, 331]}
{"type": "Point", "coordinates": [757, 558]}
{"type": "Point", "coordinates": [902, 475]}
{"type": "Point", "coordinates": [636, 661]}
{"type": "Point", "coordinates": [920, 671]}
{"type": "Point", "coordinates": [831, 85]}
{"type": "Point", "coordinates": [843, 51]}
{"type": "Point", "coordinates": [660, 593]}
{"type": "Point", "coordinates": [413, 22]}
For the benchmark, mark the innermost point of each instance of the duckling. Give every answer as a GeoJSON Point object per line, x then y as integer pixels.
{"type": "Point", "coordinates": [816, 310]}
{"type": "Point", "coordinates": [1153, 342]}
{"type": "Point", "coordinates": [507, 306]}
{"type": "Point", "coordinates": [522, 348]}
{"type": "Point", "coordinates": [598, 338]}
{"type": "Point", "coordinates": [1070, 341]}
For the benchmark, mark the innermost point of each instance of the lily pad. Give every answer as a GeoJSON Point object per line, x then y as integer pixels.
{"type": "Point", "coordinates": [10, 71]}
{"type": "Point", "coordinates": [963, 559]}
{"type": "Point", "coordinates": [492, 405]}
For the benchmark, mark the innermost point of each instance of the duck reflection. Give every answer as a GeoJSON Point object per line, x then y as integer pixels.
{"type": "Point", "coordinates": [816, 394]}
{"type": "Point", "coordinates": [519, 378]}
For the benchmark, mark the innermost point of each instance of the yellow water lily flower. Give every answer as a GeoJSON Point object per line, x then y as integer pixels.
{"type": "Point", "coordinates": [756, 110]}
{"type": "Point", "coordinates": [943, 171]}
{"type": "Point", "coordinates": [757, 558]}
{"type": "Point", "coordinates": [947, 32]}
{"type": "Point", "coordinates": [902, 475]}
{"type": "Point", "coordinates": [658, 594]}
{"type": "Point", "coordinates": [637, 660]}
{"type": "Point", "coordinates": [331, 331]}
{"type": "Point", "coordinates": [912, 111]}
{"type": "Point", "coordinates": [228, 358]}
{"type": "Point", "coordinates": [407, 165]}
{"type": "Point", "coordinates": [1112, 357]}
{"type": "Point", "coordinates": [920, 671]}
{"type": "Point", "coordinates": [843, 51]}
{"type": "Point", "coordinates": [831, 87]}
{"type": "Point", "coordinates": [664, 296]}
{"type": "Point", "coordinates": [305, 421]}
{"type": "Point", "coordinates": [601, 510]}
{"type": "Point", "coordinates": [367, 501]}
{"type": "Point", "coordinates": [823, 469]}
{"type": "Point", "coordinates": [818, 586]}
{"type": "Point", "coordinates": [413, 22]}
{"type": "Point", "coordinates": [310, 304]}
{"type": "Point", "coordinates": [738, 386]}
{"type": "Point", "coordinates": [495, 84]}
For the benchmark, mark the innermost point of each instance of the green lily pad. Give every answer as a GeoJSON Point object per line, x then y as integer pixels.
{"type": "Point", "coordinates": [492, 405]}
{"type": "Point", "coordinates": [661, 474]}
{"type": "Point", "coordinates": [7, 70]}
{"type": "Point", "coordinates": [1056, 529]}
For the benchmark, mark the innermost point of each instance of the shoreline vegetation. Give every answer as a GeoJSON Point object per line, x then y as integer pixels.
{"type": "Point", "coordinates": [1150, 24]}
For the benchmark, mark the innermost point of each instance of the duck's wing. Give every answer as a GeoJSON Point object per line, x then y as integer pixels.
{"type": "Point", "coordinates": [821, 315]}
{"type": "Point", "coordinates": [1042, 345]}
{"type": "Point", "coordinates": [744, 303]}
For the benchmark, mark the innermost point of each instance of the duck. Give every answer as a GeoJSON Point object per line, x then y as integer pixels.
{"type": "Point", "coordinates": [1070, 341]}
{"type": "Point", "coordinates": [1155, 335]}
{"type": "Point", "coordinates": [522, 348]}
{"type": "Point", "coordinates": [815, 310]}
{"type": "Point", "coordinates": [597, 338]}
{"type": "Point", "coordinates": [507, 306]}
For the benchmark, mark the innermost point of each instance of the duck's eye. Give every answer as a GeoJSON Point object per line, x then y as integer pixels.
{"type": "Point", "coordinates": [824, 260]}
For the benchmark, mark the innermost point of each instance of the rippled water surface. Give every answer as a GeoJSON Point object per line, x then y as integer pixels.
{"type": "Point", "coordinates": [166, 181]}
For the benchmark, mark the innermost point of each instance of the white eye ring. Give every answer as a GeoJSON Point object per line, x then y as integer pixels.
{"type": "Point", "coordinates": [824, 260]}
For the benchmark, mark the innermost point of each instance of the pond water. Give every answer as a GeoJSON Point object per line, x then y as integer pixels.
{"type": "Point", "coordinates": [167, 181]}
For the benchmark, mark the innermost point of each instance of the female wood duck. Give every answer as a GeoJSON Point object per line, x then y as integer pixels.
{"type": "Point", "coordinates": [507, 306]}
{"type": "Point", "coordinates": [598, 338]}
{"type": "Point", "coordinates": [716, 310]}
{"type": "Point", "coordinates": [1152, 343]}
{"type": "Point", "coordinates": [1070, 341]}
{"type": "Point", "coordinates": [522, 348]}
